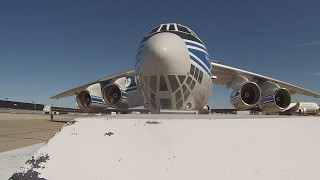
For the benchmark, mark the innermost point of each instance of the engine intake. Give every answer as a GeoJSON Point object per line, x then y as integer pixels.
{"type": "Point", "coordinates": [246, 97]}
{"type": "Point", "coordinates": [113, 96]}
{"type": "Point", "coordinates": [84, 100]}
{"type": "Point", "coordinates": [282, 98]}
{"type": "Point", "coordinates": [302, 111]}
{"type": "Point", "coordinates": [90, 99]}
{"type": "Point", "coordinates": [274, 99]}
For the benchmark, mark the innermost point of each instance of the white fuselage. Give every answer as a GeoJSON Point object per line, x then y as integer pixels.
{"type": "Point", "coordinates": [306, 107]}
{"type": "Point", "coordinates": [173, 72]}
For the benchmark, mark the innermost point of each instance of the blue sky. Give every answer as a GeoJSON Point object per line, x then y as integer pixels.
{"type": "Point", "coordinates": [47, 47]}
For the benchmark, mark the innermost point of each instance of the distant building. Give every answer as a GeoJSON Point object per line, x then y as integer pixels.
{"type": "Point", "coordinates": [61, 110]}
{"type": "Point", "coordinates": [36, 107]}
{"type": "Point", "coordinates": [21, 105]}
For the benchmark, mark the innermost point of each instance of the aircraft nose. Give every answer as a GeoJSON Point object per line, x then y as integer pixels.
{"type": "Point", "coordinates": [164, 53]}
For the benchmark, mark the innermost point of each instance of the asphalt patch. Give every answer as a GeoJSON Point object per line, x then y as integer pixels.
{"type": "Point", "coordinates": [31, 173]}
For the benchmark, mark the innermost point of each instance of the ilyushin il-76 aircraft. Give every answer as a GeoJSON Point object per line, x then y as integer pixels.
{"type": "Point", "coordinates": [173, 71]}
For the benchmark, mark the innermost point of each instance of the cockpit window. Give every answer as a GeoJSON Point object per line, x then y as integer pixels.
{"type": "Point", "coordinates": [183, 29]}
{"type": "Point", "coordinates": [178, 29]}
{"type": "Point", "coordinates": [163, 28]}
{"type": "Point", "coordinates": [154, 30]}
{"type": "Point", "coordinates": [171, 27]}
{"type": "Point", "coordinates": [194, 34]}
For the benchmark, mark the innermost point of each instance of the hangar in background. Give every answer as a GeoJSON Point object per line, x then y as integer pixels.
{"type": "Point", "coordinates": [14, 105]}
{"type": "Point", "coordinates": [21, 105]}
{"type": "Point", "coordinates": [62, 110]}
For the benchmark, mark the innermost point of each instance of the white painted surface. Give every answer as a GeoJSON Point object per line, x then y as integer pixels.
{"type": "Point", "coordinates": [10, 161]}
{"type": "Point", "coordinates": [158, 147]}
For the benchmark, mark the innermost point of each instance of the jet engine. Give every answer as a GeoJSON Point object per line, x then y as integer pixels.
{"type": "Point", "coordinates": [114, 94]}
{"type": "Point", "coordinates": [274, 98]}
{"type": "Point", "coordinates": [245, 94]}
{"type": "Point", "coordinates": [90, 99]}
{"type": "Point", "coordinates": [302, 111]}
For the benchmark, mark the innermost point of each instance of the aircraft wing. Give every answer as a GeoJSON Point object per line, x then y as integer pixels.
{"type": "Point", "coordinates": [225, 75]}
{"type": "Point", "coordinates": [74, 91]}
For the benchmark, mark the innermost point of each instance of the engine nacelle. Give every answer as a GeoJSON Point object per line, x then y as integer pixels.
{"type": "Point", "coordinates": [274, 99]}
{"type": "Point", "coordinates": [114, 94]}
{"type": "Point", "coordinates": [90, 99]}
{"type": "Point", "coordinates": [302, 111]}
{"type": "Point", "coordinates": [245, 94]}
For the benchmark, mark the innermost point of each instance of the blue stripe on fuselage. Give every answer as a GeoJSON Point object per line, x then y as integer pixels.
{"type": "Point", "coordinates": [202, 56]}
{"type": "Point", "coordinates": [195, 45]}
{"type": "Point", "coordinates": [200, 64]}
